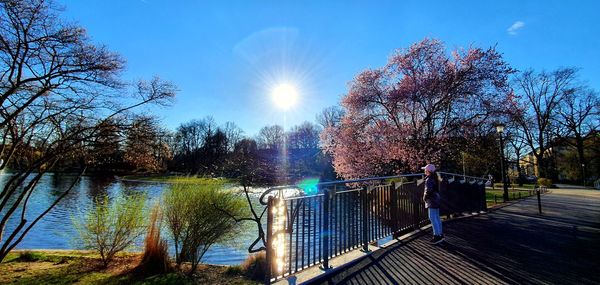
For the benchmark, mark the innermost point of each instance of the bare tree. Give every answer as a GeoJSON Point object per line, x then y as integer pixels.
{"type": "Point", "coordinates": [304, 136]}
{"type": "Point", "coordinates": [579, 116]}
{"type": "Point", "coordinates": [234, 135]}
{"type": "Point", "coordinates": [540, 95]}
{"type": "Point", "coordinates": [517, 146]}
{"type": "Point", "coordinates": [270, 137]}
{"type": "Point", "coordinates": [57, 92]}
{"type": "Point", "coordinates": [191, 142]}
{"type": "Point", "coordinates": [143, 147]}
{"type": "Point", "coordinates": [330, 116]}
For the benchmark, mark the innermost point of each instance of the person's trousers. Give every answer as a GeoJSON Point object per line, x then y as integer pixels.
{"type": "Point", "coordinates": [436, 222]}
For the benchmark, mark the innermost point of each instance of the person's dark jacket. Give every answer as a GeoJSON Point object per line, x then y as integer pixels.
{"type": "Point", "coordinates": [431, 196]}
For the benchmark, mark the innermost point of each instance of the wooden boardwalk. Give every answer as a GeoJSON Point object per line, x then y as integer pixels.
{"type": "Point", "coordinates": [510, 245]}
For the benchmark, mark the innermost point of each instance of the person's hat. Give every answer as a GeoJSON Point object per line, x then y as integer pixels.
{"type": "Point", "coordinates": [429, 167]}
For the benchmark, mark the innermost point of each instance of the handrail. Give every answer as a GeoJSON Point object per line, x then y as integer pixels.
{"type": "Point", "coordinates": [461, 175]}
{"type": "Point", "coordinates": [306, 230]}
{"type": "Point", "coordinates": [296, 186]}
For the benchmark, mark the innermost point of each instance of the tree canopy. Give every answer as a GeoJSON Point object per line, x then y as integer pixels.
{"type": "Point", "coordinates": [403, 115]}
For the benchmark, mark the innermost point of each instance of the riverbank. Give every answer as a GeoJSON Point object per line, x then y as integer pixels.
{"type": "Point", "coordinates": [176, 179]}
{"type": "Point", "coordinates": [84, 267]}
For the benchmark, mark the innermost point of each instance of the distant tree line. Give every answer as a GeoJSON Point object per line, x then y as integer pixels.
{"type": "Point", "coordinates": [203, 147]}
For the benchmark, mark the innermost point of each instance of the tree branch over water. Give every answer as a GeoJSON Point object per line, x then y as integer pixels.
{"type": "Point", "coordinates": [58, 92]}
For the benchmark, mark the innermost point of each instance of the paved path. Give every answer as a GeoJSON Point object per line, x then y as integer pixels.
{"type": "Point", "coordinates": [511, 245]}
{"type": "Point", "coordinates": [577, 187]}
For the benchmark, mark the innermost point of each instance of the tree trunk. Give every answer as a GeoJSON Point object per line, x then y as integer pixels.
{"type": "Point", "coordinates": [519, 170]}
{"type": "Point", "coordinates": [581, 157]}
{"type": "Point", "coordinates": [541, 165]}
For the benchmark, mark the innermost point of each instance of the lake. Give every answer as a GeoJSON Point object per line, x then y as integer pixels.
{"type": "Point", "coordinates": [55, 230]}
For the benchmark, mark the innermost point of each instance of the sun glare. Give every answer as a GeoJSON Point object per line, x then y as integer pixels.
{"type": "Point", "coordinates": [285, 96]}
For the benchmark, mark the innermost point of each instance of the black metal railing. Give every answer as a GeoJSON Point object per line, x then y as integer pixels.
{"type": "Point", "coordinates": [306, 230]}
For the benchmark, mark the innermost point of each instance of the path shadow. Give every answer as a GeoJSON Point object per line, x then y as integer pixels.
{"type": "Point", "coordinates": [513, 245]}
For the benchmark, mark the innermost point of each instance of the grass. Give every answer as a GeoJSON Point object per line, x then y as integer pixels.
{"type": "Point", "coordinates": [515, 186]}
{"type": "Point", "coordinates": [82, 267]}
{"type": "Point", "coordinates": [192, 179]}
{"type": "Point", "coordinates": [489, 194]}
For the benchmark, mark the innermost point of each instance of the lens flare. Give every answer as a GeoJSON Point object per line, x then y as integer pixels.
{"type": "Point", "coordinates": [309, 186]}
{"type": "Point", "coordinates": [279, 216]}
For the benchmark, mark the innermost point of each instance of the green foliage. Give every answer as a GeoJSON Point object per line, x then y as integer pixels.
{"type": "Point", "coordinates": [189, 179]}
{"type": "Point", "coordinates": [109, 228]}
{"type": "Point", "coordinates": [544, 182]}
{"type": "Point", "coordinates": [200, 215]}
{"type": "Point", "coordinates": [31, 256]}
{"type": "Point", "coordinates": [34, 256]}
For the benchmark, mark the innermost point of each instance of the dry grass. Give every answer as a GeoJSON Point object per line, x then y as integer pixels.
{"type": "Point", "coordinates": [155, 259]}
{"type": "Point", "coordinates": [254, 267]}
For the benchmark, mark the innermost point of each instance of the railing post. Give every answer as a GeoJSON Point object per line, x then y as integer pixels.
{"type": "Point", "coordinates": [416, 201]}
{"type": "Point", "coordinates": [365, 216]}
{"type": "Point", "coordinates": [269, 249]}
{"type": "Point", "coordinates": [394, 208]}
{"type": "Point", "coordinates": [326, 234]}
{"type": "Point", "coordinates": [539, 200]}
{"type": "Point", "coordinates": [482, 198]}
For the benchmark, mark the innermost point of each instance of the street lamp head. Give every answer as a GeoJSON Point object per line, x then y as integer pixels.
{"type": "Point", "coordinates": [500, 128]}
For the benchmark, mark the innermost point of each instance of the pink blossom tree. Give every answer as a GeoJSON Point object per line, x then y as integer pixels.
{"type": "Point", "coordinates": [407, 113]}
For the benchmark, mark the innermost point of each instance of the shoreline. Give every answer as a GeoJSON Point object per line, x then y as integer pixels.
{"type": "Point", "coordinates": [92, 254]}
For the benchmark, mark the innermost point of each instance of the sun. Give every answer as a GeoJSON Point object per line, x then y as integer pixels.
{"type": "Point", "coordinates": [285, 96]}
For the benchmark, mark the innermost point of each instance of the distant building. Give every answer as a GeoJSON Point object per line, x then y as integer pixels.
{"type": "Point", "coordinates": [563, 160]}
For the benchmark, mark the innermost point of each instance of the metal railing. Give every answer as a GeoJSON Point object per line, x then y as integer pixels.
{"type": "Point", "coordinates": [307, 230]}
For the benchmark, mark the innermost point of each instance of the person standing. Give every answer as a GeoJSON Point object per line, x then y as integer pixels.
{"type": "Point", "coordinates": [432, 200]}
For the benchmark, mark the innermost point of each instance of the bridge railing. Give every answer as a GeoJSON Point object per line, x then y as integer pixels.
{"type": "Point", "coordinates": [329, 219]}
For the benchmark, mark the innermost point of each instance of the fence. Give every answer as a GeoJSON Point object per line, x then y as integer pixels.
{"type": "Point", "coordinates": [517, 194]}
{"type": "Point", "coordinates": [307, 230]}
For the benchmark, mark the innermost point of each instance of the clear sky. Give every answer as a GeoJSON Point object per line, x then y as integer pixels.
{"type": "Point", "coordinates": [227, 56]}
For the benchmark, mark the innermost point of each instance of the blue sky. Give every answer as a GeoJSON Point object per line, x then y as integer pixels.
{"type": "Point", "coordinates": [226, 56]}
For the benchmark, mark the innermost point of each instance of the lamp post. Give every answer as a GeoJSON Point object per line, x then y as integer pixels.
{"type": "Point", "coordinates": [500, 130]}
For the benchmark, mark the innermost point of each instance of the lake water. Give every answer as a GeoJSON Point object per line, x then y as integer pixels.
{"type": "Point", "coordinates": [55, 230]}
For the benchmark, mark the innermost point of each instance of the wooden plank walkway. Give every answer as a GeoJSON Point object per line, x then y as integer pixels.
{"type": "Point", "coordinates": [510, 245]}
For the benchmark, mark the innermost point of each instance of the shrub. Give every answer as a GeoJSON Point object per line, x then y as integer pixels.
{"type": "Point", "coordinates": [255, 266]}
{"type": "Point", "coordinates": [156, 256]}
{"type": "Point", "coordinates": [31, 256]}
{"type": "Point", "coordinates": [234, 270]}
{"type": "Point", "coordinates": [109, 229]}
{"type": "Point", "coordinates": [198, 216]}
{"type": "Point", "coordinates": [34, 256]}
{"type": "Point", "coordinates": [544, 182]}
